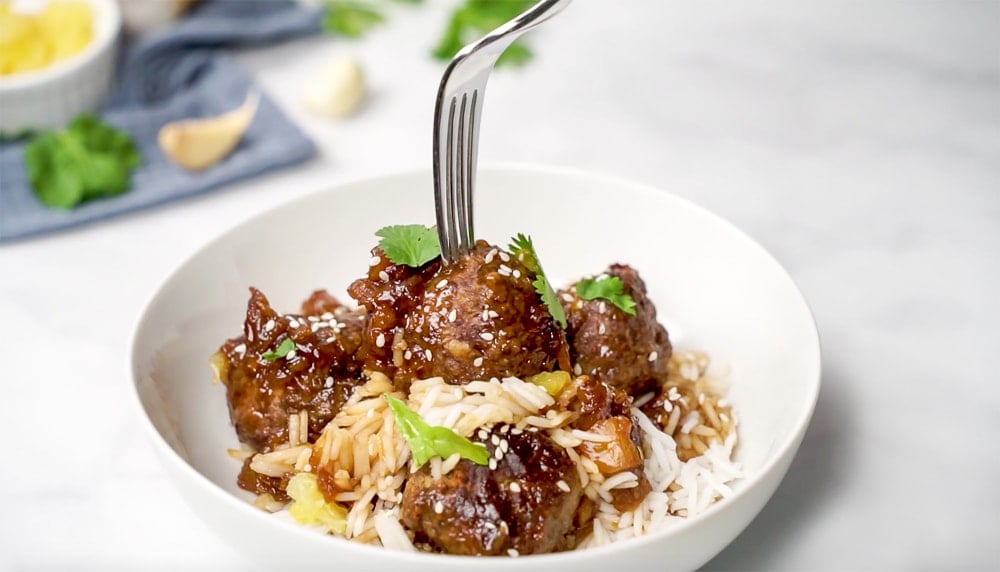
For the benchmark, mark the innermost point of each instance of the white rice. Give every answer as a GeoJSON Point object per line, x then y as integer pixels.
{"type": "Point", "coordinates": [369, 461]}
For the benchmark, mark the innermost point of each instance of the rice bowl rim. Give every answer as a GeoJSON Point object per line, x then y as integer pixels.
{"type": "Point", "coordinates": [748, 483]}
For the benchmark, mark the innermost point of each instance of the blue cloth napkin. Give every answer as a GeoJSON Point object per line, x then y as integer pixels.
{"type": "Point", "coordinates": [179, 73]}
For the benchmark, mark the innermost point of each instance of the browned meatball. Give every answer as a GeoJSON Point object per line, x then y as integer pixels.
{"type": "Point", "coordinates": [627, 352]}
{"type": "Point", "coordinates": [476, 319]}
{"type": "Point", "coordinates": [389, 293]}
{"type": "Point", "coordinates": [317, 376]}
{"type": "Point", "coordinates": [527, 503]}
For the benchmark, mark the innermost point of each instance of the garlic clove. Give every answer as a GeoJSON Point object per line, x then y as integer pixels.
{"type": "Point", "coordinates": [197, 144]}
{"type": "Point", "coordinates": [338, 90]}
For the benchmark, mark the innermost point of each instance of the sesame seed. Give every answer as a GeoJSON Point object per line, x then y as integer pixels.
{"type": "Point", "coordinates": [567, 297]}
{"type": "Point", "coordinates": [375, 261]}
{"type": "Point", "coordinates": [383, 275]}
{"type": "Point", "coordinates": [667, 406]}
{"type": "Point", "coordinates": [269, 326]}
{"type": "Point", "coordinates": [602, 307]}
{"type": "Point", "coordinates": [478, 362]}
{"type": "Point", "coordinates": [380, 340]}
{"type": "Point", "coordinates": [439, 507]}
{"type": "Point", "coordinates": [453, 315]}
{"type": "Point", "coordinates": [504, 256]}
{"type": "Point", "coordinates": [329, 383]}
{"type": "Point", "coordinates": [515, 488]}
{"type": "Point", "coordinates": [513, 553]}
{"type": "Point", "coordinates": [577, 369]}
{"type": "Point", "coordinates": [407, 354]}
{"type": "Point", "coordinates": [504, 270]}
{"type": "Point", "coordinates": [493, 464]}
{"type": "Point", "coordinates": [240, 349]}
{"type": "Point", "coordinates": [602, 329]}
{"type": "Point", "coordinates": [489, 525]}
{"type": "Point", "coordinates": [290, 355]}
{"type": "Point", "coordinates": [327, 316]}
{"type": "Point", "coordinates": [653, 356]}
{"type": "Point", "coordinates": [516, 431]}
{"type": "Point", "coordinates": [494, 439]}
{"type": "Point", "coordinates": [428, 355]}
{"type": "Point", "coordinates": [293, 322]}
{"type": "Point", "coordinates": [489, 256]}
{"type": "Point", "coordinates": [312, 318]}
{"type": "Point", "coordinates": [498, 453]}
{"type": "Point", "coordinates": [442, 283]}
{"type": "Point", "coordinates": [563, 486]}
{"type": "Point", "coordinates": [605, 350]}
{"type": "Point", "coordinates": [482, 434]}
{"type": "Point", "coordinates": [492, 314]}
{"type": "Point", "coordinates": [505, 428]}
{"type": "Point", "coordinates": [315, 326]}
{"type": "Point", "coordinates": [504, 446]}
{"type": "Point", "coordinates": [516, 273]}
{"type": "Point", "coordinates": [486, 336]}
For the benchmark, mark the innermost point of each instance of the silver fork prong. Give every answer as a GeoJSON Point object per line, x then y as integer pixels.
{"type": "Point", "coordinates": [450, 248]}
{"type": "Point", "coordinates": [470, 162]}
{"type": "Point", "coordinates": [464, 186]}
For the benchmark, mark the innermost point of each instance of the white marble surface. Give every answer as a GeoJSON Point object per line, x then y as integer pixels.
{"type": "Point", "coordinates": [858, 141]}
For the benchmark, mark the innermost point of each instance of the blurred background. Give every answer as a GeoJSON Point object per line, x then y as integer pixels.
{"type": "Point", "coordinates": [857, 141]}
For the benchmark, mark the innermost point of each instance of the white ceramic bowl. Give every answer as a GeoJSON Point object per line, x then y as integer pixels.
{"type": "Point", "coordinates": [714, 287]}
{"type": "Point", "coordinates": [49, 97]}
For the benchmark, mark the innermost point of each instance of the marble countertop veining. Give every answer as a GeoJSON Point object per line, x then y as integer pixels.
{"type": "Point", "coordinates": [858, 141]}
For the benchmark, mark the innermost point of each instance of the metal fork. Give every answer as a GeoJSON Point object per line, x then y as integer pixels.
{"type": "Point", "coordinates": [457, 114]}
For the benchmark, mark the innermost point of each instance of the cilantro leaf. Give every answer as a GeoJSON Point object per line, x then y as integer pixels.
{"type": "Point", "coordinates": [351, 18]}
{"type": "Point", "coordinates": [524, 249]}
{"type": "Point", "coordinates": [428, 441]}
{"type": "Point", "coordinates": [283, 349]}
{"type": "Point", "coordinates": [410, 244]}
{"type": "Point", "coordinates": [87, 160]}
{"type": "Point", "coordinates": [609, 288]}
{"type": "Point", "coordinates": [474, 19]}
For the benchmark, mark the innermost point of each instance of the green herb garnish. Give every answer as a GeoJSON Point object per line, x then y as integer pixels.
{"type": "Point", "coordinates": [351, 18]}
{"type": "Point", "coordinates": [282, 350]}
{"type": "Point", "coordinates": [475, 18]}
{"type": "Point", "coordinates": [522, 247]}
{"type": "Point", "coordinates": [87, 160]}
{"type": "Point", "coordinates": [428, 441]}
{"type": "Point", "coordinates": [410, 244]}
{"type": "Point", "coordinates": [609, 288]}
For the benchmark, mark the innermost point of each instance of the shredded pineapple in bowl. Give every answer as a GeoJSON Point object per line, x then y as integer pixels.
{"type": "Point", "coordinates": [34, 40]}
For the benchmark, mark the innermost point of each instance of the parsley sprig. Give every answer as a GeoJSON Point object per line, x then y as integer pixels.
{"type": "Point", "coordinates": [469, 21]}
{"type": "Point", "coordinates": [609, 288]}
{"type": "Point", "coordinates": [410, 244]}
{"type": "Point", "coordinates": [524, 249]}
{"type": "Point", "coordinates": [427, 441]}
{"type": "Point", "coordinates": [89, 159]}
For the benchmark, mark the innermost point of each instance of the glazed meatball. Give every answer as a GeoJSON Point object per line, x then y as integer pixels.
{"type": "Point", "coordinates": [317, 376]}
{"type": "Point", "coordinates": [624, 351]}
{"type": "Point", "coordinates": [476, 319]}
{"type": "Point", "coordinates": [527, 503]}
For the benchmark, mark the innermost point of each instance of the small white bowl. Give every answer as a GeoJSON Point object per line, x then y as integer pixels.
{"type": "Point", "coordinates": [49, 97]}
{"type": "Point", "coordinates": [715, 290]}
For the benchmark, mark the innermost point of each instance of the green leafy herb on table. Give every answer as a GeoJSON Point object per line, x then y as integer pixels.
{"type": "Point", "coordinates": [524, 249]}
{"type": "Point", "coordinates": [283, 349]}
{"type": "Point", "coordinates": [471, 20]}
{"type": "Point", "coordinates": [410, 244]}
{"type": "Point", "coordinates": [351, 18]}
{"type": "Point", "coordinates": [88, 160]}
{"type": "Point", "coordinates": [474, 19]}
{"type": "Point", "coordinates": [427, 441]}
{"type": "Point", "coordinates": [609, 288]}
